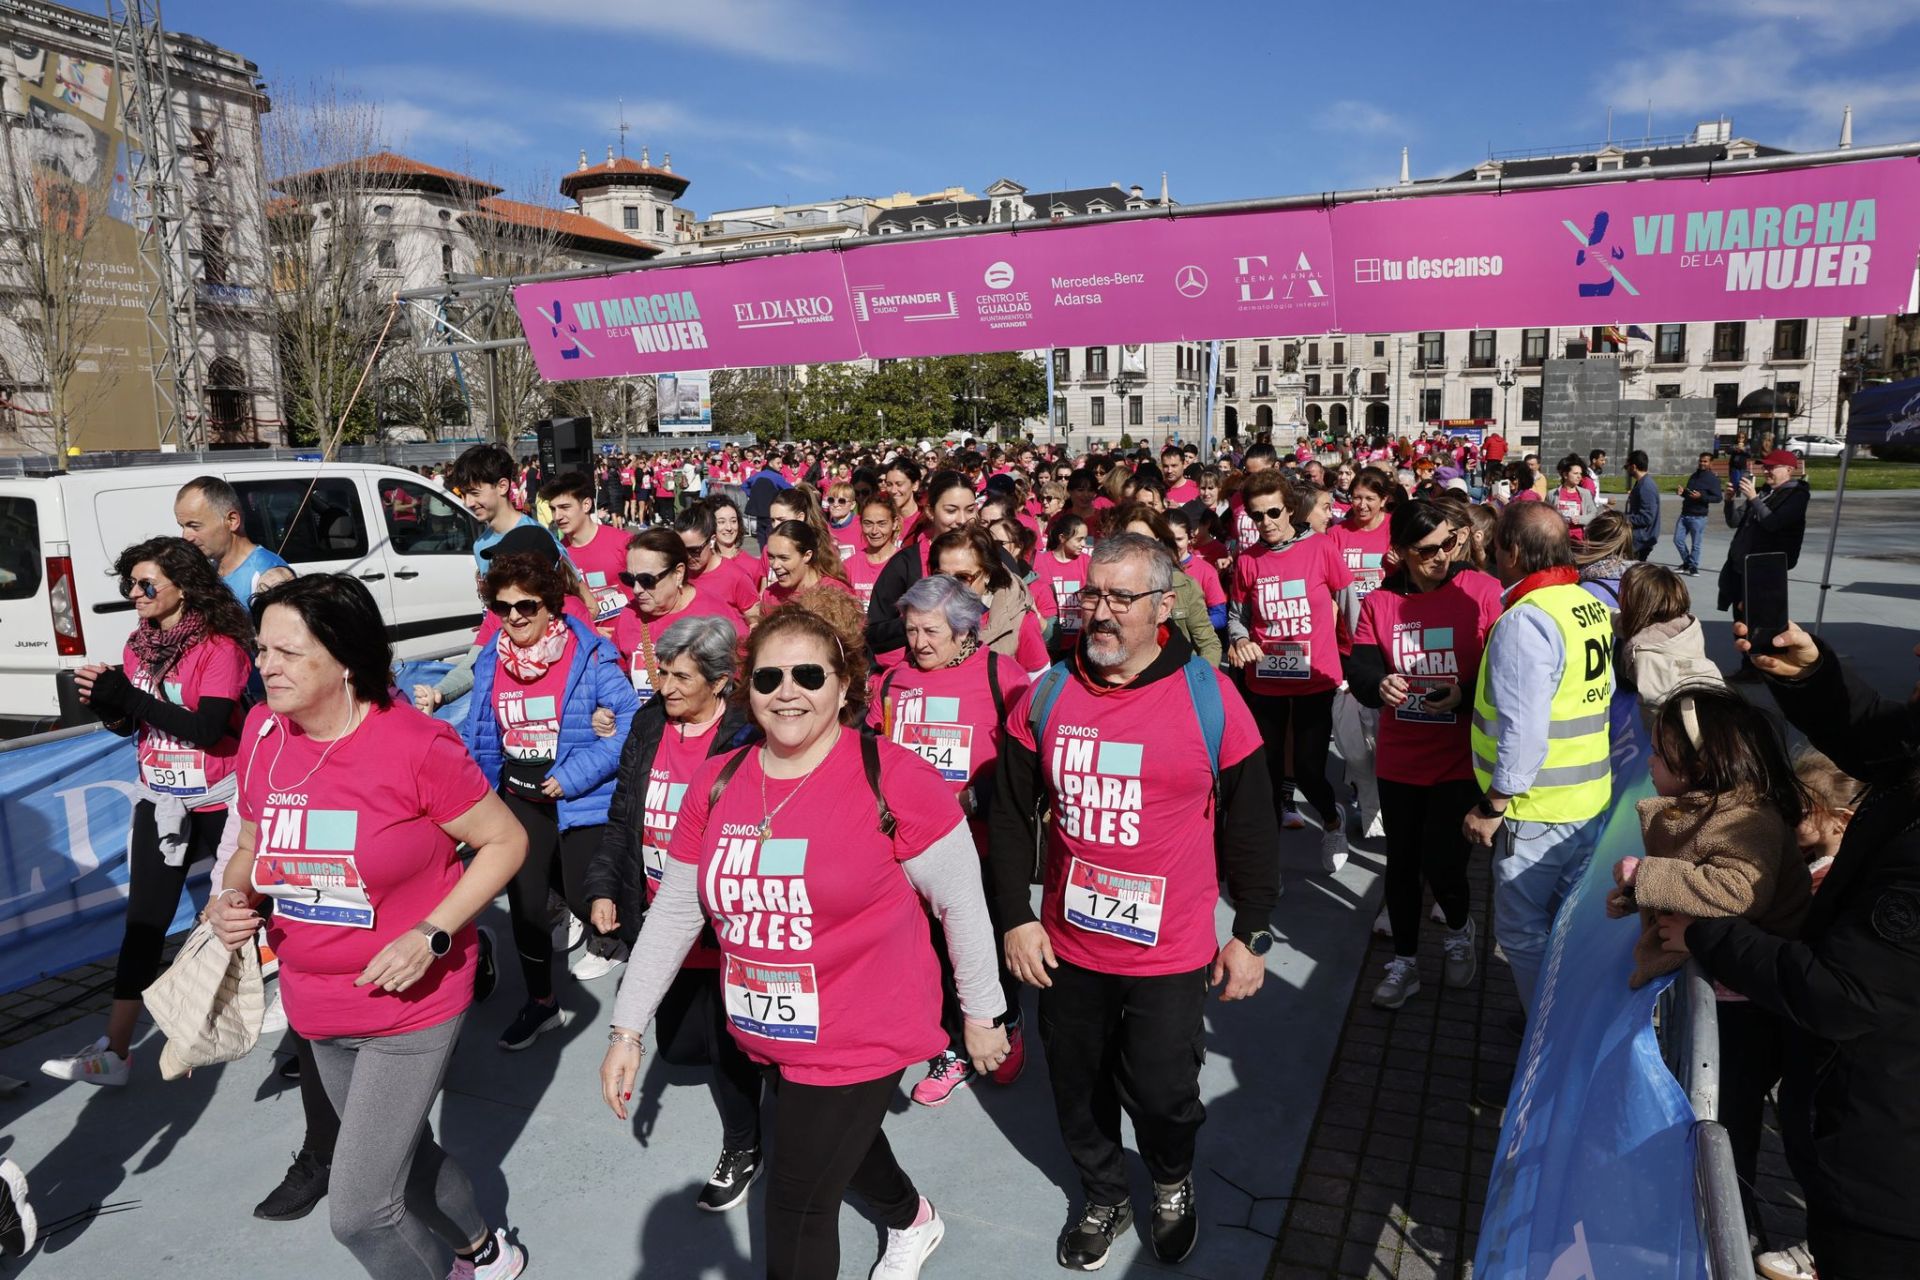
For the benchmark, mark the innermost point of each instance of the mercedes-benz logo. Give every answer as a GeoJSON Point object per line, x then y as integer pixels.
{"type": "Point", "coordinates": [1190, 281]}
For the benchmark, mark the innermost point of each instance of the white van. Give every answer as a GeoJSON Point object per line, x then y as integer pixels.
{"type": "Point", "coordinates": [61, 607]}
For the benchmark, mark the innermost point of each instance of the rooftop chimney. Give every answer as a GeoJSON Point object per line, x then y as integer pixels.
{"type": "Point", "coordinates": [1406, 179]}
{"type": "Point", "coordinates": [1846, 128]}
{"type": "Point", "coordinates": [1136, 192]}
{"type": "Point", "coordinates": [666, 161]}
{"type": "Point", "coordinates": [644, 160]}
{"type": "Point", "coordinates": [583, 157]}
{"type": "Point", "coordinates": [1163, 188]}
{"type": "Point", "coordinates": [609, 153]}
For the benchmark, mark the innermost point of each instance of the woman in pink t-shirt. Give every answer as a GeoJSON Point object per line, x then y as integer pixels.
{"type": "Point", "coordinates": [1058, 574]}
{"type": "Point", "coordinates": [1012, 626]}
{"type": "Point", "coordinates": [880, 534]}
{"type": "Point", "coordinates": [178, 693]}
{"type": "Point", "coordinates": [1364, 542]}
{"type": "Point", "coordinates": [948, 704]}
{"type": "Point", "coordinates": [819, 901]}
{"type": "Point", "coordinates": [352, 806]}
{"type": "Point", "coordinates": [799, 558]}
{"type": "Point", "coordinates": [1416, 656]}
{"type": "Point", "coordinates": [657, 565]}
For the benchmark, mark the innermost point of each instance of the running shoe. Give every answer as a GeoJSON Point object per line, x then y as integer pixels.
{"type": "Point", "coordinates": [1463, 964]}
{"type": "Point", "coordinates": [19, 1228]}
{"type": "Point", "coordinates": [1016, 1061]}
{"type": "Point", "coordinates": [1333, 842]}
{"type": "Point", "coordinates": [534, 1020]}
{"type": "Point", "coordinates": [908, 1248]}
{"type": "Point", "coordinates": [1084, 1244]}
{"type": "Point", "coordinates": [1376, 828]}
{"type": "Point", "coordinates": [590, 964]}
{"type": "Point", "coordinates": [1795, 1262]}
{"type": "Point", "coordinates": [1290, 817]}
{"type": "Point", "coordinates": [946, 1075]}
{"type": "Point", "coordinates": [486, 972]}
{"type": "Point", "coordinates": [1176, 1222]}
{"type": "Point", "coordinates": [732, 1178]}
{"type": "Point", "coordinates": [269, 962]}
{"type": "Point", "coordinates": [95, 1064]}
{"type": "Point", "coordinates": [508, 1262]}
{"type": "Point", "coordinates": [304, 1187]}
{"type": "Point", "coordinates": [1401, 984]}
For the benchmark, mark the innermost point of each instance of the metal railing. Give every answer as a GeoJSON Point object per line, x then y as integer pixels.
{"type": "Point", "coordinates": [1689, 1033]}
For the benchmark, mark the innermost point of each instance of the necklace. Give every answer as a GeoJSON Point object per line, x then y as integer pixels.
{"type": "Point", "coordinates": [766, 823]}
{"type": "Point", "coordinates": [354, 721]}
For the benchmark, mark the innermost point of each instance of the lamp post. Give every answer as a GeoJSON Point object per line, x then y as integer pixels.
{"type": "Point", "coordinates": [1505, 380]}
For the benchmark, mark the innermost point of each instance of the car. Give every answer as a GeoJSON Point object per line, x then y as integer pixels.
{"type": "Point", "coordinates": [1805, 447]}
{"type": "Point", "coordinates": [60, 532]}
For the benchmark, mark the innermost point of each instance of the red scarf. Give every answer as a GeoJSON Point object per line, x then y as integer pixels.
{"type": "Point", "coordinates": [529, 664]}
{"type": "Point", "coordinates": [1559, 576]}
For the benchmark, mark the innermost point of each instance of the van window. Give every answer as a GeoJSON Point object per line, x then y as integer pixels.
{"type": "Point", "coordinates": [421, 522]}
{"type": "Point", "coordinates": [19, 549]}
{"type": "Point", "coordinates": [282, 516]}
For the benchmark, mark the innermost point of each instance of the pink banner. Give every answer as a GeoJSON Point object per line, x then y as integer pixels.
{"type": "Point", "coordinates": [1837, 240]}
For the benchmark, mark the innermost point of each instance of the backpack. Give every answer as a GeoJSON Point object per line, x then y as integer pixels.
{"type": "Point", "coordinates": [869, 762]}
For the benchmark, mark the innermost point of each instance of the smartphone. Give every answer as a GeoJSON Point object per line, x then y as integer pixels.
{"type": "Point", "coordinates": [1436, 695]}
{"type": "Point", "coordinates": [1766, 599]}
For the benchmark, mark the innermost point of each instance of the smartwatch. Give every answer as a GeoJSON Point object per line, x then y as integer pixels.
{"type": "Point", "coordinates": [439, 941]}
{"type": "Point", "coordinates": [1486, 810]}
{"type": "Point", "coordinates": [1260, 941]}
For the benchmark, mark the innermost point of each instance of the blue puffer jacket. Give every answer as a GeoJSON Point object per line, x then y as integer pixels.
{"type": "Point", "coordinates": [587, 765]}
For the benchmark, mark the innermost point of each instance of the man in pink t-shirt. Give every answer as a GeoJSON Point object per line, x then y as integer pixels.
{"type": "Point", "coordinates": [596, 551]}
{"type": "Point", "coordinates": [1123, 759]}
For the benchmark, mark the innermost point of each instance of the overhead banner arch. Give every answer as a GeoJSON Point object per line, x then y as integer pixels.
{"type": "Point", "coordinates": [1828, 240]}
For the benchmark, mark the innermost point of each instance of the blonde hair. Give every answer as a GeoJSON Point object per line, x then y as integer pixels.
{"type": "Point", "coordinates": [1829, 787]}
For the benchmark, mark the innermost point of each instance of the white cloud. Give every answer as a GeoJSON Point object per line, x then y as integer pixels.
{"type": "Point", "coordinates": [766, 30]}
{"type": "Point", "coordinates": [1352, 116]}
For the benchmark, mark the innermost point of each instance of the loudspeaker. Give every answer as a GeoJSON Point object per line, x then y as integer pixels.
{"type": "Point", "coordinates": [566, 444]}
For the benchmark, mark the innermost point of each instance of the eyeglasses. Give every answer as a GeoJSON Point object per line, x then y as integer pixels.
{"type": "Point", "coordinates": [147, 587]}
{"type": "Point", "coordinates": [839, 502]}
{"type": "Point", "coordinates": [810, 676]}
{"type": "Point", "coordinates": [525, 608]}
{"type": "Point", "coordinates": [1428, 550]}
{"type": "Point", "coordinates": [646, 581]}
{"type": "Point", "coordinates": [1117, 602]}
{"type": "Point", "coordinates": [1271, 513]}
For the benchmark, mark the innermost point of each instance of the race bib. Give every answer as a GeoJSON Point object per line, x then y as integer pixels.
{"type": "Point", "coordinates": [947, 747]}
{"type": "Point", "coordinates": [1066, 597]}
{"type": "Point", "coordinates": [531, 742]}
{"type": "Point", "coordinates": [774, 1002]}
{"type": "Point", "coordinates": [642, 678]}
{"type": "Point", "coordinates": [1414, 710]}
{"type": "Point", "coordinates": [174, 771]}
{"type": "Point", "coordinates": [653, 857]}
{"type": "Point", "coordinates": [323, 889]}
{"type": "Point", "coordinates": [1122, 904]}
{"type": "Point", "coordinates": [1285, 660]}
{"type": "Point", "coordinates": [608, 601]}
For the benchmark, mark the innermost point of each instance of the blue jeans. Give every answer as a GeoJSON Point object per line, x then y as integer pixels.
{"type": "Point", "coordinates": [1535, 866]}
{"type": "Point", "coordinates": [1688, 533]}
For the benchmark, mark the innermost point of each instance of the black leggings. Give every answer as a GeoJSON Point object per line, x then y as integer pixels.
{"type": "Point", "coordinates": [547, 845]}
{"type": "Point", "coordinates": [693, 1031]}
{"type": "Point", "coordinates": [153, 893]}
{"type": "Point", "coordinates": [1424, 842]}
{"type": "Point", "coordinates": [1307, 720]}
{"type": "Point", "coordinates": [826, 1139]}
{"type": "Point", "coordinates": [1751, 1056]}
{"type": "Point", "coordinates": [323, 1122]}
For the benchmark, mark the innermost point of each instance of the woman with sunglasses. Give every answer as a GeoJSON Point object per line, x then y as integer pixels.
{"type": "Point", "coordinates": [179, 692]}
{"type": "Point", "coordinates": [673, 735]}
{"type": "Point", "coordinates": [1365, 542]}
{"type": "Point", "coordinates": [1285, 639]}
{"type": "Point", "coordinates": [1416, 653]}
{"type": "Point", "coordinates": [530, 728]}
{"type": "Point", "coordinates": [820, 898]}
{"type": "Point", "coordinates": [799, 558]}
{"type": "Point", "coordinates": [843, 518]}
{"type": "Point", "coordinates": [656, 576]}
{"type": "Point", "coordinates": [1012, 625]}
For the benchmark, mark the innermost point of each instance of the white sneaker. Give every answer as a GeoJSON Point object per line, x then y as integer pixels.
{"type": "Point", "coordinates": [908, 1250]}
{"type": "Point", "coordinates": [589, 965]}
{"type": "Point", "coordinates": [568, 932]}
{"type": "Point", "coordinates": [95, 1064]}
{"type": "Point", "coordinates": [1333, 842]}
{"type": "Point", "coordinates": [1401, 983]}
{"type": "Point", "coordinates": [1792, 1263]}
{"type": "Point", "coordinates": [274, 1020]}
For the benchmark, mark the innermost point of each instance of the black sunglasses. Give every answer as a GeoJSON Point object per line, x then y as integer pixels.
{"type": "Point", "coordinates": [1271, 513]}
{"type": "Point", "coordinates": [810, 676]}
{"type": "Point", "coordinates": [148, 587]}
{"type": "Point", "coordinates": [645, 581]}
{"type": "Point", "coordinates": [525, 608]}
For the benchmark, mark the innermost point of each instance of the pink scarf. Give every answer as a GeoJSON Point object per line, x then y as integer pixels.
{"type": "Point", "coordinates": [528, 665]}
{"type": "Point", "coordinates": [160, 651]}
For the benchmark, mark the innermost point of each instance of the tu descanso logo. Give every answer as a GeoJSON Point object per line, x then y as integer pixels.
{"type": "Point", "coordinates": [1597, 259]}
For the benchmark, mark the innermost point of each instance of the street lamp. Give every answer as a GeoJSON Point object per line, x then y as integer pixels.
{"type": "Point", "coordinates": [1505, 380]}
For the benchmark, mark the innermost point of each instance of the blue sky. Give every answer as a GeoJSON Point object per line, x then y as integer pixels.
{"type": "Point", "coordinates": [765, 101]}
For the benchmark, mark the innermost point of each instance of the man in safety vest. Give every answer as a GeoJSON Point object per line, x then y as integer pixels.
{"type": "Point", "coordinates": [1541, 760]}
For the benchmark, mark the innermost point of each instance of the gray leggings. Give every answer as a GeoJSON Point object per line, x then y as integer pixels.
{"type": "Point", "coordinates": [399, 1203]}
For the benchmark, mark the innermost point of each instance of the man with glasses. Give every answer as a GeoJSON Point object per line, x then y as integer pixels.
{"type": "Point", "coordinates": [1145, 761]}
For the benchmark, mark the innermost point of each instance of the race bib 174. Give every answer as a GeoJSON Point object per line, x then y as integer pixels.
{"type": "Point", "coordinates": [1121, 904]}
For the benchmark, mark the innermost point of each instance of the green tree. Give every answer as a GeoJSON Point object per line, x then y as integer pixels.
{"type": "Point", "coordinates": [996, 389]}
{"type": "Point", "coordinates": [759, 402]}
{"type": "Point", "coordinates": [832, 405]}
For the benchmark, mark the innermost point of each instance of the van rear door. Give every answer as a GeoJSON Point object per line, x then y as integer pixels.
{"type": "Point", "coordinates": [29, 647]}
{"type": "Point", "coordinates": [317, 524]}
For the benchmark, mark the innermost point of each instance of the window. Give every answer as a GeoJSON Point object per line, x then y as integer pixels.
{"type": "Point", "coordinates": [1379, 350]}
{"type": "Point", "coordinates": [446, 259]}
{"type": "Point", "coordinates": [1726, 399]}
{"type": "Point", "coordinates": [1096, 364]}
{"type": "Point", "coordinates": [1430, 404]}
{"type": "Point", "coordinates": [1062, 365]}
{"type": "Point", "coordinates": [1097, 411]}
{"type": "Point", "coordinates": [385, 257]}
{"type": "Point", "coordinates": [204, 157]}
{"type": "Point", "coordinates": [1378, 385]}
{"type": "Point", "coordinates": [1313, 384]}
{"type": "Point", "coordinates": [446, 215]}
{"type": "Point", "coordinates": [213, 255]}
{"type": "Point", "coordinates": [1136, 411]}
{"type": "Point", "coordinates": [383, 211]}
{"type": "Point", "coordinates": [324, 525]}
{"type": "Point", "coordinates": [1339, 353]}
{"type": "Point", "coordinates": [1263, 359]}
{"type": "Point", "coordinates": [1670, 344]}
{"type": "Point", "coordinates": [1230, 387]}
{"type": "Point", "coordinates": [1480, 349]}
{"type": "Point", "coordinates": [1790, 393]}
{"type": "Point", "coordinates": [1059, 411]}
{"type": "Point", "coordinates": [1600, 340]}
{"type": "Point", "coordinates": [1530, 398]}
{"type": "Point", "coordinates": [629, 217]}
{"type": "Point", "coordinates": [660, 221]}
{"type": "Point", "coordinates": [1233, 357]}
{"type": "Point", "coordinates": [1480, 402]}
{"type": "Point", "coordinates": [229, 404]}
{"type": "Point", "coordinates": [420, 520]}
{"type": "Point", "coordinates": [1666, 391]}
{"type": "Point", "coordinates": [20, 558]}
{"type": "Point", "coordinates": [1313, 353]}
{"type": "Point", "coordinates": [1433, 351]}
{"type": "Point", "coordinates": [1261, 386]}
{"type": "Point", "coordinates": [1730, 343]}
{"type": "Point", "coordinates": [1533, 348]}
{"type": "Point", "coordinates": [1789, 340]}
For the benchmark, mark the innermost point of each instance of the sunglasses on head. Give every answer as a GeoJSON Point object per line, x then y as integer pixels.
{"type": "Point", "coordinates": [810, 676]}
{"type": "Point", "coordinates": [1270, 513]}
{"type": "Point", "coordinates": [525, 608]}
{"type": "Point", "coordinates": [645, 581]}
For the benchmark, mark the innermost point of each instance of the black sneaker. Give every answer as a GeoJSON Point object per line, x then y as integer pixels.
{"type": "Point", "coordinates": [304, 1187]}
{"type": "Point", "coordinates": [732, 1179]}
{"type": "Point", "coordinates": [1176, 1223]}
{"type": "Point", "coordinates": [19, 1229]}
{"type": "Point", "coordinates": [1083, 1245]}
{"type": "Point", "coordinates": [535, 1018]}
{"type": "Point", "coordinates": [486, 972]}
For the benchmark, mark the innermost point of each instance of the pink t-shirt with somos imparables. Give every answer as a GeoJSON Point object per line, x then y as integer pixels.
{"type": "Point", "coordinates": [827, 968]}
{"type": "Point", "coordinates": [946, 716]}
{"type": "Point", "coordinates": [635, 635]}
{"type": "Point", "coordinates": [1290, 590]}
{"type": "Point", "coordinates": [217, 667]}
{"type": "Point", "coordinates": [864, 574]}
{"type": "Point", "coordinates": [1056, 589]}
{"type": "Point", "coordinates": [354, 844]}
{"type": "Point", "coordinates": [1433, 638]}
{"type": "Point", "coordinates": [736, 581]}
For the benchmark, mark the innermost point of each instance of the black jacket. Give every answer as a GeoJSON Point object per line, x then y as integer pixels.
{"type": "Point", "coordinates": [1775, 520]}
{"type": "Point", "coordinates": [1849, 986]}
{"type": "Point", "coordinates": [616, 872]}
{"type": "Point", "coordinates": [1246, 827]}
{"type": "Point", "coordinates": [1705, 483]}
{"type": "Point", "coordinates": [886, 629]}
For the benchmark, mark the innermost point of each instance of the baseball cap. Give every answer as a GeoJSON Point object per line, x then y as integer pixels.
{"type": "Point", "coordinates": [525, 539]}
{"type": "Point", "coordinates": [1780, 458]}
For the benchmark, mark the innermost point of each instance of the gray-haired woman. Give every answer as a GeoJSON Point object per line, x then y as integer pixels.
{"type": "Point", "coordinates": [948, 703]}
{"type": "Point", "coordinates": [672, 735]}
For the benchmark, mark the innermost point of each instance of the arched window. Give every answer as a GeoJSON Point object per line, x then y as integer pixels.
{"type": "Point", "coordinates": [1313, 415]}
{"type": "Point", "coordinates": [1263, 417]}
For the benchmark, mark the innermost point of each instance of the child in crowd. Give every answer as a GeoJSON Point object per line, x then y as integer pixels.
{"type": "Point", "coordinates": [1662, 645]}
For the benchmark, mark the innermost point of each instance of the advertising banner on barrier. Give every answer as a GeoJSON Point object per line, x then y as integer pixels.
{"type": "Point", "coordinates": [1830, 240]}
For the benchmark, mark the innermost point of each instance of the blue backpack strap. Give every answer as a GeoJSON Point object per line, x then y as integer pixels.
{"type": "Point", "coordinates": [1040, 707]}
{"type": "Point", "coordinates": [1203, 686]}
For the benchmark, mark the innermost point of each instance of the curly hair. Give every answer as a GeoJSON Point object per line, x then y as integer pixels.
{"type": "Point", "coordinates": [534, 575]}
{"type": "Point", "coordinates": [201, 590]}
{"type": "Point", "coordinates": [846, 650]}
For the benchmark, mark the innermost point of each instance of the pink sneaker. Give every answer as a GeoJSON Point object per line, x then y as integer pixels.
{"type": "Point", "coordinates": [946, 1075]}
{"type": "Point", "coordinates": [1016, 1061]}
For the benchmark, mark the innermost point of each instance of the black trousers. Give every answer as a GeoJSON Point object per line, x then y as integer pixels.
{"type": "Point", "coordinates": [1305, 720]}
{"type": "Point", "coordinates": [555, 860]}
{"type": "Point", "coordinates": [827, 1139]}
{"type": "Point", "coordinates": [153, 893]}
{"type": "Point", "coordinates": [692, 1023]}
{"type": "Point", "coordinates": [1424, 842]}
{"type": "Point", "coordinates": [1112, 1042]}
{"type": "Point", "coordinates": [1844, 1250]}
{"type": "Point", "coordinates": [1751, 1055]}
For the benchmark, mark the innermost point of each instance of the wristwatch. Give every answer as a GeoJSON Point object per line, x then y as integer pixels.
{"type": "Point", "coordinates": [439, 941]}
{"type": "Point", "coordinates": [1486, 810]}
{"type": "Point", "coordinates": [1260, 941]}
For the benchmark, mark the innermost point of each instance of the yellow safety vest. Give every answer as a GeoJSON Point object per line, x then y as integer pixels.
{"type": "Point", "coordinates": [1576, 780]}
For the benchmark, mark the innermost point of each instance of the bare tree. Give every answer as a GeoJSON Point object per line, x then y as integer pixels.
{"type": "Point", "coordinates": [54, 272]}
{"type": "Point", "coordinates": [512, 237]}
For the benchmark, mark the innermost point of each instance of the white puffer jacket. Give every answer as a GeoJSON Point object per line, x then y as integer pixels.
{"type": "Point", "coordinates": [1667, 656]}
